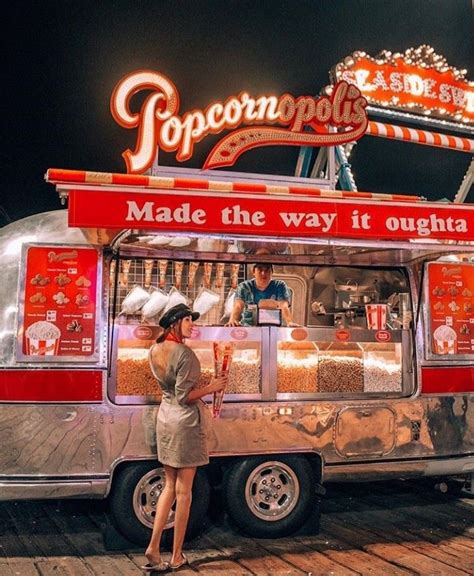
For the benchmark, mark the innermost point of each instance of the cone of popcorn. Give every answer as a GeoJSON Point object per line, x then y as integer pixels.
{"type": "Point", "coordinates": [445, 340]}
{"type": "Point", "coordinates": [376, 316]}
{"type": "Point", "coordinates": [223, 352]}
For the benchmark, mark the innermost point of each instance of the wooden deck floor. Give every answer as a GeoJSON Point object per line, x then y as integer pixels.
{"type": "Point", "coordinates": [382, 529]}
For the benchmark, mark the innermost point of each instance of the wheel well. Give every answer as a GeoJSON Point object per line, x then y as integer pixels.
{"type": "Point", "coordinates": [219, 464]}
{"type": "Point", "coordinates": [122, 465]}
{"type": "Point", "coordinates": [216, 469]}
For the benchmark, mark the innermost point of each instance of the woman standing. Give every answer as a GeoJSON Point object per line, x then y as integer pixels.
{"type": "Point", "coordinates": [181, 434]}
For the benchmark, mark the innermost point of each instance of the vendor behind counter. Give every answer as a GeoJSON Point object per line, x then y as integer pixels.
{"type": "Point", "coordinates": [262, 287]}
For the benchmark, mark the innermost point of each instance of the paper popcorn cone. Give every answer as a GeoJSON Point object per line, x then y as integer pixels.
{"type": "Point", "coordinates": [223, 353]}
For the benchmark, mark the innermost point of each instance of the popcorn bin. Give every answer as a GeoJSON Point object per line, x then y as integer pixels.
{"type": "Point", "coordinates": [445, 340]}
{"type": "Point", "coordinates": [376, 316]}
{"type": "Point", "coordinates": [42, 339]}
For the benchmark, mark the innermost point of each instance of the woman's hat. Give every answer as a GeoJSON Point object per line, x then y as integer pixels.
{"type": "Point", "coordinates": [176, 313]}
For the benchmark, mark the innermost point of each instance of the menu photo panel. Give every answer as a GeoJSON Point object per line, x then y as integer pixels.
{"type": "Point", "coordinates": [59, 304]}
{"type": "Point", "coordinates": [451, 308]}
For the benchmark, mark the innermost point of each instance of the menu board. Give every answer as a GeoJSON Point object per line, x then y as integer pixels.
{"type": "Point", "coordinates": [451, 306]}
{"type": "Point", "coordinates": [59, 303]}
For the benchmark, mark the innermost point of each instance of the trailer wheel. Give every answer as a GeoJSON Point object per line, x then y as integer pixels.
{"type": "Point", "coordinates": [270, 497]}
{"type": "Point", "coordinates": [133, 499]}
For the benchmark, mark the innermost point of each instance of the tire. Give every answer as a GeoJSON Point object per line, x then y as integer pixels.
{"type": "Point", "coordinates": [270, 497]}
{"type": "Point", "coordinates": [132, 503]}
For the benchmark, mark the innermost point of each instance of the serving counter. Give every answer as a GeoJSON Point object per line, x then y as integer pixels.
{"type": "Point", "coordinates": [270, 363]}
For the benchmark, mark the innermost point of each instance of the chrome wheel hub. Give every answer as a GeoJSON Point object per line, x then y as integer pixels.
{"type": "Point", "coordinates": [145, 497]}
{"type": "Point", "coordinates": [272, 491]}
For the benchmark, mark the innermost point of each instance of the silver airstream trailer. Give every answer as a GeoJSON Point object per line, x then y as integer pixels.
{"type": "Point", "coordinates": [375, 382]}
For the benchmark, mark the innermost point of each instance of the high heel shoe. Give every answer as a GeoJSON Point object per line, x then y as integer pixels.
{"type": "Point", "coordinates": [183, 562]}
{"type": "Point", "coordinates": [160, 567]}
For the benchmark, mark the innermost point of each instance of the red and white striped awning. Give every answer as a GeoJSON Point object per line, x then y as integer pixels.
{"type": "Point", "coordinates": [82, 177]}
{"type": "Point", "coordinates": [420, 136]}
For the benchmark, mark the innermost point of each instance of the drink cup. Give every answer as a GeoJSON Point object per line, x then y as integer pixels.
{"type": "Point", "coordinates": [376, 316]}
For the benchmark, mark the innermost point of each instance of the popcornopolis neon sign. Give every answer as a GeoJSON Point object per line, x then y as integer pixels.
{"type": "Point", "coordinates": [333, 119]}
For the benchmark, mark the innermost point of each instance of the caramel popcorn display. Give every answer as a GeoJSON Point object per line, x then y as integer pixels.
{"type": "Point", "coordinates": [134, 376]}
{"type": "Point", "coordinates": [244, 377]}
{"type": "Point", "coordinates": [297, 375]}
{"type": "Point", "coordinates": [340, 373]}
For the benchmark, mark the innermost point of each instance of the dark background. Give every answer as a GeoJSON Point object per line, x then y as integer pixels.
{"type": "Point", "coordinates": [62, 60]}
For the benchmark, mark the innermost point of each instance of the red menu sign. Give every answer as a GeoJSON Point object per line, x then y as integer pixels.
{"type": "Point", "coordinates": [59, 308]}
{"type": "Point", "coordinates": [451, 298]}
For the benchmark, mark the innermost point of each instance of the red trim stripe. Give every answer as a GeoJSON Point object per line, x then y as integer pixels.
{"type": "Point", "coordinates": [39, 385]}
{"type": "Point", "coordinates": [244, 186]}
{"type": "Point", "coordinates": [447, 380]}
{"type": "Point", "coordinates": [304, 191]}
{"type": "Point", "coordinates": [420, 137]}
{"type": "Point", "coordinates": [130, 179]}
{"type": "Point", "coordinates": [193, 184]}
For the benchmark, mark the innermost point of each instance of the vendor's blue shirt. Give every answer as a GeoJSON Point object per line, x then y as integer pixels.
{"type": "Point", "coordinates": [248, 292]}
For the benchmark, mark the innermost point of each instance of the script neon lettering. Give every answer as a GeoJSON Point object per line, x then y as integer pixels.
{"type": "Point", "coordinates": [160, 125]}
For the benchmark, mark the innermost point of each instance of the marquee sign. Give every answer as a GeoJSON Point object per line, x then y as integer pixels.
{"type": "Point", "coordinates": [419, 81]}
{"type": "Point", "coordinates": [215, 212]}
{"type": "Point", "coordinates": [334, 119]}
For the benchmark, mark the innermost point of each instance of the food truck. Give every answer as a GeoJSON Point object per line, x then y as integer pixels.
{"type": "Point", "coordinates": [375, 382]}
{"type": "Point", "coordinates": [373, 379]}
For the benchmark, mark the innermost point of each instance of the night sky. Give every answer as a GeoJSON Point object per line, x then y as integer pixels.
{"type": "Point", "coordinates": [62, 60]}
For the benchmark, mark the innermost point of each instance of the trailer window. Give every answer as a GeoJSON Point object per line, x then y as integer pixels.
{"type": "Point", "coordinates": [353, 334]}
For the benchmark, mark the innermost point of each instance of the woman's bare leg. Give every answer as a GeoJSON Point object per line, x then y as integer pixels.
{"type": "Point", "coordinates": [163, 507]}
{"type": "Point", "coordinates": [184, 486]}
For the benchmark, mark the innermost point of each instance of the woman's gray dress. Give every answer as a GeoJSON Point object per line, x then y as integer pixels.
{"type": "Point", "coordinates": [181, 428]}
